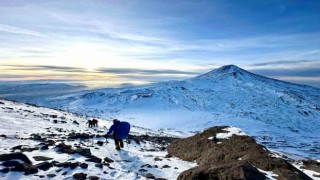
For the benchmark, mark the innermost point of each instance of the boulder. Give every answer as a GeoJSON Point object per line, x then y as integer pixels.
{"type": "Point", "coordinates": [149, 176]}
{"type": "Point", "coordinates": [79, 176]}
{"type": "Point", "coordinates": [99, 165]}
{"type": "Point", "coordinates": [93, 178]}
{"type": "Point", "coordinates": [108, 160]}
{"type": "Point", "coordinates": [80, 136]}
{"type": "Point", "coordinates": [3, 136]}
{"type": "Point", "coordinates": [70, 165]}
{"type": "Point", "coordinates": [84, 165]}
{"type": "Point", "coordinates": [100, 143]}
{"type": "Point", "coordinates": [51, 175]}
{"type": "Point", "coordinates": [29, 169]}
{"type": "Point", "coordinates": [43, 166]}
{"type": "Point", "coordinates": [94, 159]}
{"type": "Point", "coordinates": [10, 163]}
{"type": "Point", "coordinates": [311, 165]}
{"type": "Point", "coordinates": [5, 170]}
{"type": "Point", "coordinates": [234, 170]}
{"type": "Point", "coordinates": [41, 158]}
{"type": "Point", "coordinates": [16, 155]}
{"type": "Point", "coordinates": [83, 151]}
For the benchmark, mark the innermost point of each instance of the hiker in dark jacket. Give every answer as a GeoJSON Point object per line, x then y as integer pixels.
{"type": "Point", "coordinates": [113, 128]}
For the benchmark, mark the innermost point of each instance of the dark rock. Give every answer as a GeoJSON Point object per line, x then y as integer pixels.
{"type": "Point", "coordinates": [51, 175]}
{"type": "Point", "coordinates": [3, 136]}
{"type": "Point", "coordinates": [149, 176]}
{"type": "Point", "coordinates": [234, 170]}
{"type": "Point", "coordinates": [19, 167]}
{"type": "Point", "coordinates": [17, 147]}
{"type": "Point", "coordinates": [65, 173]}
{"type": "Point", "coordinates": [10, 163]}
{"type": "Point", "coordinates": [99, 165]}
{"type": "Point", "coordinates": [68, 164]}
{"type": "Point", "coordinates": [157, 159]}
{"type": "Point", "coordinates": [29, 169]}
{"type": "Point", "coordinates": [41, 158]}
{"type": "Point", "coordinates": [58, 170]}
{"type": "Point", "coordinates": [84, 165]}
{"type": "Point", "coordinates": [100, 143]}
{"type": "Point", "coordinates": [45, 147]}
{"type": "Point", "coordinates": [16, 155]}
{"type": "Point", "coordinates": [5, 170]}
{"type": "Point", "coordinates": [105, 172]}
{"type": "Point", "coordinates": [108, 160]}
{"type": "Point", "coordinates": [43, 166]}
{"type": "Point", "coordinates": [83, 151]}
{"type": "Point", "coordinates": [161, 179]}
{"type": "Point", "coordinates": [55, 121]}
{"type": "Point", "coordinates": [94, 159]}
{"type": "Point", "coordinates": [63, 148]}
{"type": "Point", "coordinates": [54, 163]}
{"type": "Point", "coordinates": [80, 136]}
{"type": "Point", "coordinates": [53, 116]}
{"type": "Point", "coordinates": [36, 137]}
{"type": "Point", "coordinates": [75, 122]}
{"type": "Point", "coordinates": [79, 176]}
{"type": "Point", "coordinates": [166, 166]}
{"type": "Point", "coordinates": [146, 165]}
{"type": "Point", "coordinates": [311, 165]}
{"type": "Point", "coordinates": [28, 149]}
{"type": "Point", "coordinates": [93, 178]}
{"type": "Point", "coordinates": [41, 176]}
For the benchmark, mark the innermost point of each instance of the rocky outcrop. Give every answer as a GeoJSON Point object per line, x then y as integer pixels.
{"type": "Point", "coordinates": [238, 154]}
{"type": "Point", "coordinates": [20, 156]}
{"type": "Point", "coordinates": [232, 170]}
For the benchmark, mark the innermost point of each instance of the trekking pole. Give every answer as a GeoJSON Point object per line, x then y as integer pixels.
{"type": "Point", "coordinates": [127, 143]}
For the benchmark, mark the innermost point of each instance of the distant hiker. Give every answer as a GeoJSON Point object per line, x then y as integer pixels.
{"type": "Point", "coordinates": [120, 130]}
{"type": "Point", "coordinates": [92, 123]}
{"type": "Point", "coordinates": [89, 122]}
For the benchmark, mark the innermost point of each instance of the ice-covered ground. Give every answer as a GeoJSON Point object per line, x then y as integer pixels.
{"type": "Point", "coordinates": [18, 121]}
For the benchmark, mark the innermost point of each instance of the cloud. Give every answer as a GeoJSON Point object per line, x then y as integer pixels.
{"type": "Point", "coordinates": [17, 30]}
{"type": "Point", "coordinates": [292, 62]}
{"type": "Point", "coordinates": [300, 72]}
{"type": "Point", "coordinates": [144, 71]}
{"type": "Point", "coordinates": [116, 71]}
{"type": "Point", "coordinates": [44, 67]}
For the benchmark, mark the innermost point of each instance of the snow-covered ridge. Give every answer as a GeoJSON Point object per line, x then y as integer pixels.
{"type": "Point", "coordinates": [35, 128]}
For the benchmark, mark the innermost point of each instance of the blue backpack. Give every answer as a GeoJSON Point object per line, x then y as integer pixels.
{"type": "Point", "coordinates": [122, 130]}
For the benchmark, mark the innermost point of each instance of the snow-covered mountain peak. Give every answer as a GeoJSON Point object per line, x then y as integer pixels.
{"type": "Point", "coordinates": [225, 71]}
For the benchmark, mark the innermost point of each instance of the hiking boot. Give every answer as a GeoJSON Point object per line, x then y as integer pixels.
{"type": "Point", "coordinates": [121, 144]}
{"type": "Point", "coordinates": [118, 148]}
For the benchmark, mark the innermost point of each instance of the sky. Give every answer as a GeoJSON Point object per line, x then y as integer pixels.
{"type": "Point", "coordinates": [118, 42]}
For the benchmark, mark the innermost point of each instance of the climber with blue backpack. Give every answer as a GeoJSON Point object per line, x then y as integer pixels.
{"type": "Point", "coordinates": [120, 130]}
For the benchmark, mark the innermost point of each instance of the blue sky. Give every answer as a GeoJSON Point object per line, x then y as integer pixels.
{"type": "Point", "coordinates": [146, 41]}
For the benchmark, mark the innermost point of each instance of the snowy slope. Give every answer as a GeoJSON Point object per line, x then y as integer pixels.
{"type": "Point", "coordinates": [19, 121]}
{"type": "Point", "coordinates": [282, 115]}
